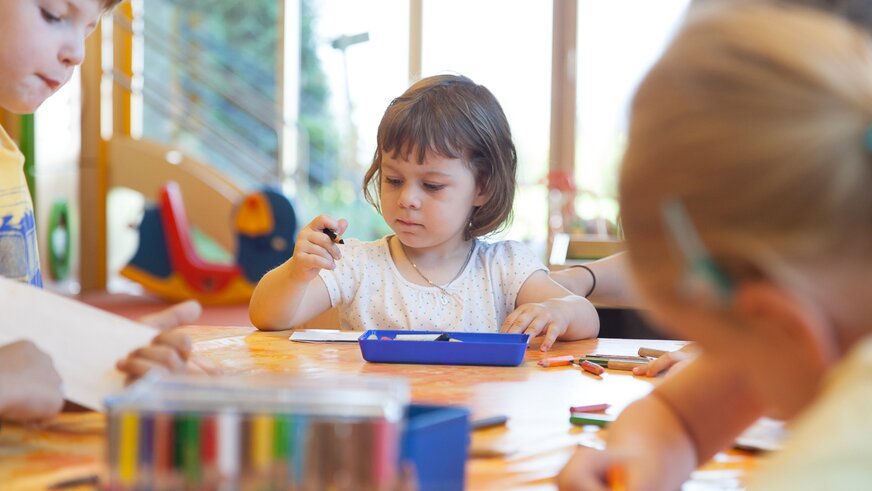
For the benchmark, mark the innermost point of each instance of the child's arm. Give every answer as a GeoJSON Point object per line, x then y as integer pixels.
{"type": "Point", "coordinates": [545, 307]}
{"type": "Point", "coordinates": [660, 439]}
{"type": "Point", "coordinates": [287, 296]}
{"type": "Point", "coordinates": [30, 388]}
{"type": "Point", "coordinates": [613, 285]}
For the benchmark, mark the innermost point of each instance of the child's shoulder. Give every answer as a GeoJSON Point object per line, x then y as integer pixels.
{"type": "Point", "coordinates": [510, 251]}
{"type": "Point", "coordinates": [503, 247]}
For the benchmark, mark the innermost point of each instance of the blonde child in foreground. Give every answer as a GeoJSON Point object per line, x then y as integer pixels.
{"type": "Point", "coordinates": [443, 175]}
{"type": "Point", "coordinates": [41, 43]}
{"type": "Point", "coordinates": [745, 199]}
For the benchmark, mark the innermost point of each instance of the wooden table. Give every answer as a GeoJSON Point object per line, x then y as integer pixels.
{"type": "Point", "coordinates": [537, 440]}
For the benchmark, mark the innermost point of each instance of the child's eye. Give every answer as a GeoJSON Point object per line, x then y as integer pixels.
{"type": "Point", "coordinates": [433, 187]}
{"type": "Point", "coordinates": [390, 181]}
{"type": "Point", "coordinates": [51, 19]}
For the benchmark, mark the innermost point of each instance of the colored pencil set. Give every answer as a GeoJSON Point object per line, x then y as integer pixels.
{"type": "Point", "coordinates": [302, 436]}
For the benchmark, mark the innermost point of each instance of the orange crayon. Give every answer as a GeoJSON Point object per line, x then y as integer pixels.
{"type": "Point", "coordinates": [616, 479]}
{"type": "Point", "coordinates": [557, 361]}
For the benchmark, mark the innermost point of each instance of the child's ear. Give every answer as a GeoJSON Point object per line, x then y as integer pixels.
{"type": "Point", "coordinates": [482, 196]}
{"type": "Point", "coordinates": [784, 317]}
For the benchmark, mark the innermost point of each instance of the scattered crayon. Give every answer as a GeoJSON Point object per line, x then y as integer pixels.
{"type": "Point", "coordinates": [652, 352]}
{"type": "Point", "coordinates": [491, 422]}
{"type": "Point", "coordinates": [591, 408]}
{"type": "Point", "coordinates": [592, 367]}
{"type": "Point", "coordinates": [615, 364]}
{"type": "Point", "coordinates": [557, 361]}
{"type": "Point", "coordinates": [584, 419]}
{"type": "Point", "coordinates": [616, 357]}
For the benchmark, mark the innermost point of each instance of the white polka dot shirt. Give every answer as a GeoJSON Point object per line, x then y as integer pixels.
{"type": "Point", "coordinates": [371, 293]}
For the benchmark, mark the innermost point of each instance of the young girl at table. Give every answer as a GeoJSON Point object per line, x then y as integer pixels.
{"type": "Point", "coordinates": [745, 198]}
{"type": "Point", "coordinates": [443, 176]}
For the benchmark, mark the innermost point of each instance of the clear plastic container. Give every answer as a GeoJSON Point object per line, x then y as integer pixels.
{"type": "Point", "coordinates": [257, 431]}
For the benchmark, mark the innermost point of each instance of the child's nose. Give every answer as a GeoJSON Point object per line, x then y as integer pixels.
{"type": "Point", "coordinates": [409, 197]}
{"type": "Point", "coordinates": [72, 52]}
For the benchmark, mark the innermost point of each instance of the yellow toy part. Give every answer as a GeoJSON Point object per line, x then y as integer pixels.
{"type": "Point", "coordinates": [255, 216]}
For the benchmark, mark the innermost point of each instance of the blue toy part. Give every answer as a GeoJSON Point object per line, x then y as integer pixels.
{"type": "Point", "coordinates": [266, 225]}
{"type": "Point", "coordinates": [152, 255]}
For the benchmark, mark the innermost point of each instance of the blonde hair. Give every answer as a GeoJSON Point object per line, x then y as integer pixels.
{"type": "Point", "coordinates": [454, 117]}
{"type": "Point", "coordinates": [756, 119]}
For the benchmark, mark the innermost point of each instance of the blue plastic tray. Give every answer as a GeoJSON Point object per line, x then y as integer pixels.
{"type": "Point", "coordinates": [475, 348]}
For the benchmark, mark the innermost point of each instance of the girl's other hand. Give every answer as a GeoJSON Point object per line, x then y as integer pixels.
{"type": "Point", "coordinates": [536, 319]}
{"type": "Point", "coordinates": [314, 249]}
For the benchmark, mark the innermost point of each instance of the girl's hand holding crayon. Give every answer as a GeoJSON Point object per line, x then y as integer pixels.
{"type": "Point", "coordinates": [315, 248]}
{"type": "Point", "coordinates": [537, 319]}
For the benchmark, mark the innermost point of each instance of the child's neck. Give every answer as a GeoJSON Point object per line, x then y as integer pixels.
{"type": "Point", "coordinates": [439, 265]}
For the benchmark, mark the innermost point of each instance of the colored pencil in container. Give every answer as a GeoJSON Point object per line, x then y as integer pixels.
{"type": "Point", "coordinates": [228, 446]}
{"type": "Point", "coordinates": [128, 448]}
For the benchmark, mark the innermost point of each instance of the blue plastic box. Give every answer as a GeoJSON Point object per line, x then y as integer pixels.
{"type": "Point", "coordinates": [436, 441]}
{"type": "Point", "coordinates": [475, 348]}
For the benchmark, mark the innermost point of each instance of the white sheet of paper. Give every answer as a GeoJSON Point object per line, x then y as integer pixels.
{"type": "Point", "coordinates": [83, 342]}
{"type": "Point", "coordinates": [325, 336]}
{"type": "Point", "coordinates": [765, 434]}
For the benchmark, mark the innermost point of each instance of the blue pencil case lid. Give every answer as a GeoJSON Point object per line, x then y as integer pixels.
{"type": "Point", "coordinates": [461, 348]}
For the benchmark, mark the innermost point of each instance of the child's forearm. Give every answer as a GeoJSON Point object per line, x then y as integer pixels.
{"type": "Point", "coordinates": [650, 434]}
{"type": "Point", "coordinates": [686, 420]}
{"type": "Point", "coordinates": [612, 287]}
{"type": "Point", "coordinates": [582, 318]}
{"type": "Point", "coordinates": [714, 404]}
{"type": "Point", "coordinates": [276, 299]}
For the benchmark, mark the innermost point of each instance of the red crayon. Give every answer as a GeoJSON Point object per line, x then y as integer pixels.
{"type": "Point", "coordinates": [592, 367]}
{"type": "Point", "coordinates": [592, 408]}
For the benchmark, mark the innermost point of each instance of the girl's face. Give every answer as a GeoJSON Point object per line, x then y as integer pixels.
{"type": "Point", "coordinates": [41, 42]}
{"type": "Point", "coordinates": [781, 359]}
{"type": "Point", "coordinates": [428, 205]}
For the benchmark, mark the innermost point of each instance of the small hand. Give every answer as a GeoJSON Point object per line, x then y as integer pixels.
{"type": "Point", "coordinates": [180, 314]}
{"type": "Point", "coordinates": [315, 249]}
{"type": "Point", "coordinates": [536, 319]}
{"type": "Point", "coordinates": [30, 387]}
{"type": "Point", "coordinates": [585, 471]}
{"type": "Point", "coordinates": [170, 352]}
{"type": "Point", "coordinates": [674, 360]}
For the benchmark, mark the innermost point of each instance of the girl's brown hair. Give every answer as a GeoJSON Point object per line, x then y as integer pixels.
{"type": "Point", "coordinates": [453, 117]}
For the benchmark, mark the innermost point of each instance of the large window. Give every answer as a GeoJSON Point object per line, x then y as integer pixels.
{"type": "Point", "coordinates": [618, 40]}
{"type": "Point", "coordinates": [354, 61]}
{"type": "Point", "coordinates": [504, 45]}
